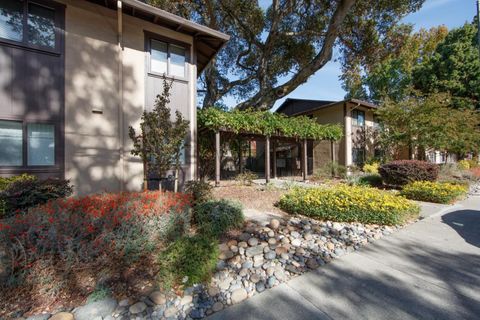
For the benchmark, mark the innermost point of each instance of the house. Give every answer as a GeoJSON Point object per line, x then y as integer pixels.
{"type": "Point", "coordinates": [356, 116]}
{"type": "Point", "coordinates": [75, 74]}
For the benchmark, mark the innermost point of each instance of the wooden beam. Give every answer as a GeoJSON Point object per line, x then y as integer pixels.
{"type": "Point", "coordinates": [332, 150]}
{"type": "Point", "coordinates": [304, 160]}
{"type": "Point", "coordinates": [274, 147]}
{"type": "Point", "coordinates": [217, 158]}
{"type": "Point", "coordinates": [267, 159]}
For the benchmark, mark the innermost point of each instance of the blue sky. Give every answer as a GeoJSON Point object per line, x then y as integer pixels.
{"type": "Point", "coordinates": [324, 85]}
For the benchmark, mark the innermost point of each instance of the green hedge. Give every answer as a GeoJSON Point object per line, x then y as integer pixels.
{"type": "Point", "coordinates": [350, 203]}
{"type": "Point", "coordinates": [438, 192]}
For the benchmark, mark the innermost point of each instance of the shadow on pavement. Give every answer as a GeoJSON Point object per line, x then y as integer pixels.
{"type": "Point", "coordinates": [466, 223]}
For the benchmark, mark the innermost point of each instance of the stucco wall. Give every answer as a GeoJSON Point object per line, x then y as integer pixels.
{"type": "Point", "coordinates": [322, 149]}
{"type": "Point", "coordinates": [96, 129]}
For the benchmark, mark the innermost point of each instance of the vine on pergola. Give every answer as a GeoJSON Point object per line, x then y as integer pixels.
{"type": "Point", "coordinates": [267, 124]}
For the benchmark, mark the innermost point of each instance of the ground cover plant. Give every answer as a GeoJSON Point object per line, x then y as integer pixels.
{"type": "Point", "coordinates": [216, 217]}
{"type": "Point", "coordinates": [401, 172]}
{"type": "Point", "coordinates": [350, 204]}
{"type": "Point", "coordinates": [51, 246]}
{"type": "Point", "coordinates": [438, 192]}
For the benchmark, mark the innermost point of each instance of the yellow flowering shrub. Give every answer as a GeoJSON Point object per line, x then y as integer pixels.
{"type": "Point", "coordinates": [463, 164]}
{"type": "Point", "coordinates": [438, 192]}
{"type": "Point", "coordinates": [371, 168]}
{"type": "Point", "coordinates": [350, 204]}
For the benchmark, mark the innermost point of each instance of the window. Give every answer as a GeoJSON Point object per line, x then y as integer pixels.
{"type": "Point", "coordinates": [39, 23]}
{"type": "Point", "coordinates": [358, 118]}
{"type": "Point", "coordinates": [39, 144]}
{"type": "Point", "coordinates": [167, 58]}
{"type": "Point", "coordinates": [11, 141]}
{"type": "Point", "coordinates": [358, 156]}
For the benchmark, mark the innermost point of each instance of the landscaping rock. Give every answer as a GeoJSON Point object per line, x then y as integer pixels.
{"type": "Point", "coordinates": [137, 308]}
{"type": "Point", "coordinates": [100, 308]}
{"type": "Point", "coordinates": [158, 297]}
{"type": "Point", "coordinates": [260, 287]}
{"type": "Point", "coordinates": [170, 312]}
{"type": "Point", "coordinates": [44, 316]}
{"type": "Point", "coordinates": [63, 316]}
{"type": "Point", "coordinates": [274, 224]}
{"type": "Point", "coordinates": [252, 242]}
{"type": "Point", "coordinates": [239, 295]}
{"type": "Point", "coordinates": [254, 251]}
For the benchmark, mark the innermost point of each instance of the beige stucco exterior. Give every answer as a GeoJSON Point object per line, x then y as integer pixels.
{"type": "Point", "coordinates": [105, 88]}
{"type": "Point", "coordinates": [341, 113]}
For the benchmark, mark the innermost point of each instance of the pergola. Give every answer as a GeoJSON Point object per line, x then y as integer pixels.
{"type": "Point", "coordinates": [267, 126]}
{"type": "Point", "coordinates": [270, 144]}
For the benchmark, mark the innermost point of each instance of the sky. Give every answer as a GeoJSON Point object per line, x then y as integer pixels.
{"type": "Point", "coordinates": [325, 84]}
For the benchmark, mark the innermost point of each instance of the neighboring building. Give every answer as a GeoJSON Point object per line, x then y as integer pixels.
{"type": "Point", "coordinates": [356, 117]}
{"type": "Point", "coordinates": [75, 74]}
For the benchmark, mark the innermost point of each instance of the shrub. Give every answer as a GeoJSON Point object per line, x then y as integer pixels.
{"type": "Point", "coordinates": [23, 194]}
{"type": "Point", "coordinates": [473, 163]}
{"type": "Point", "coordinates": [246, 178]}
{"type": "Point", "coordinates": [6, 182]}
{"type": "Point", "coordinates": [218, 217]}
{"type": "Point", "coordinates": [188, 260]}
{"type": "Point", "coordinates": [371, 168]}
{"type": "Point", "coordinates": [401, 172]}
{"type": "Point", "coordinates": [349, 203]}
{"type": "Point", "coordinates": [438, 192]}
{"type": "Point", "coordinates": [464, 164]}
{"type": "Point", "coordinates": [372, 180]}
{"type": "Point", "coordinates": [201, 191]}
{"type": "Point", "coordinates": [95, 228]}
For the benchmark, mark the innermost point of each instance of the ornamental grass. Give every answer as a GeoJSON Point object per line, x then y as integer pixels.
{"type": "Point", "coordinates": [438, 192]}
{"type": "Point", "coordinates": [345, 203]}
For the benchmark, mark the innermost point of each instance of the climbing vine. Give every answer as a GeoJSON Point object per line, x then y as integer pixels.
{"type": "Point", "coordinates": [267, 123]}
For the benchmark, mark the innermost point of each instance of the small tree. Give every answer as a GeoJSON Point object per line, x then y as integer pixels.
{"type": "Point", "coordinates": [160, 140]}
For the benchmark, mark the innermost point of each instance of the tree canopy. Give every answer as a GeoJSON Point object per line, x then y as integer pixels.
{"type": "Point", "coordinates": [275, 49]}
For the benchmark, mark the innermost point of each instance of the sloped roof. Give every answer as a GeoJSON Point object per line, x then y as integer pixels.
{"type": "Point", "coordinates": [207, 41]}
{"type": "Point", "coordinates": [293, 107]}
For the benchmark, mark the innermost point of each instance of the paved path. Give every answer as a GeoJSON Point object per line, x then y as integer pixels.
{"type": "Point", "coordinates": [429, 270]}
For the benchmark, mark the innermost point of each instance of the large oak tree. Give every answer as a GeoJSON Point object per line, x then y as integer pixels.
{"type": "Point", "coordinates": [276, 48]}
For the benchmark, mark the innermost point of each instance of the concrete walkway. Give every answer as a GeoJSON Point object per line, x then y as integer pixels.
{"type": "Point", "coordinates": [429, 270]}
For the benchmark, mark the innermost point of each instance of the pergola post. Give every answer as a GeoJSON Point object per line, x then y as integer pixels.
{"type": "Point", "coordinates": [332, 150]}
{"type": "Point", "coordinates": [267, 159]}
{"type": "Point", "coordinates": [304, 160]}
{"type": "Point", "coordinates": [240, 156]}
{"type": "Point", "coordinates": [274, 147]}
{"type": "Point", "coordinates": [217, 158]}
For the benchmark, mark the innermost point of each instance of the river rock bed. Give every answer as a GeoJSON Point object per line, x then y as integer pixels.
{"type": "Point", "coordinates": [261, 257]}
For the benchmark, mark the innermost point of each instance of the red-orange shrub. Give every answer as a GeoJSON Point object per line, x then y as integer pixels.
{"type": "Point", "coordinates": [84, 229]}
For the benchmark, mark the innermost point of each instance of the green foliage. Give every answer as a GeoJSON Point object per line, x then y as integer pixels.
{"type": "Point", "coordinates": [371, 168]}
{"type": "Point", "coordinates": [277, 46]}
{"type": "Point", "coordinates": [266, 123]}
{"type": "Point", "coordinates": [371, 180]}
{"type": "Point", "coordinates": [453, 68]}
{"type": "Point", "coordinates": [6, 182]}
{"type": "Point", "coordinates": [329, 170]}
{"type": "Point", "coordinates": [200, 190]}
{"type": "Point", "coordinates": [216, 217]}
{"type": "Point", "coordinates": [27, 192]}
{"type": "Point", "coordinates": [350, 203]}
{"type": "Point", "coordinates": [438, 192]}
{"type": "Point", "coordinates": [386, 70]}
{"type": "Point", "coordinates": [160, 140]}
{"type": "Point", "coordinates": [246, 178]}
{"type": "Point", "coordinates": [98, 294]}
{"type": "Point", "coordinates": [188, 261]}
{"type": "Point", "coordinates": [428, 122]}
{"type": "Point", "coordinates": [464, 164]}
{"type": "Point", "coordinates": [402, 172]}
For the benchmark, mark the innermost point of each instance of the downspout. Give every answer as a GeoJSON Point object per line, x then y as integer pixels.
{"type": "Point", "coordinates": [121, 138]}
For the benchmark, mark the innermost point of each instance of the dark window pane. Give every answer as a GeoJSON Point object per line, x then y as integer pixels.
{"type": "Point", "coordinates": [358, 118]}
{"type": "Point", "coordinates": [41, 26]}
{"type": "Point", "coordinates": [11, 141]}
{"type": "Point", "coordinates": [159, 56]}
{"type": "Point", "coordinates": [177, 61]}
{"type": "Point", "coordinates": [11, 20]}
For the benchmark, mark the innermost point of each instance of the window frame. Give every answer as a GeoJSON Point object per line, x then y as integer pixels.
{"type": "Point", "coordinates": [149, 36]}
{"type": "Point", "coordinates": [355, 113]}
{"type": "Point", "coordinates": [59, 27]}
{"type": "Point", "coordinates": [25, 166]}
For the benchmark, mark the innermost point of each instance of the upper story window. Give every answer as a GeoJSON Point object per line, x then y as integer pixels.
{"type": "Point", "coordinates": [31, 23]}
{"type": "Point", "coordinates": [168, 59]}
{"type": "Point", "coordinates": [358, 118]}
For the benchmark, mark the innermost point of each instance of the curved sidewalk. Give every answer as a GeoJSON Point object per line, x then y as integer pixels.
{"type": "Point", "coordinates": [429, 270]}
